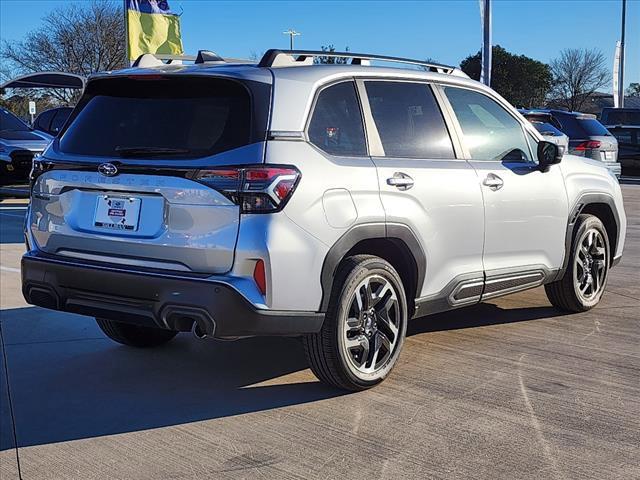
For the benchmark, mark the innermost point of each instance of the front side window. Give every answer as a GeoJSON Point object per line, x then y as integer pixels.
{"type": "Point", "coordinates": [336, 125]}
{"type": "Point", "coordinates": [408, 120]}
{"type": "Point", "coordinates": [490, 132]}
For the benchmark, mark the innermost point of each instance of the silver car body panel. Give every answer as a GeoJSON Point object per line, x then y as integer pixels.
{"type": "Point", "coordinates": [182, 224]}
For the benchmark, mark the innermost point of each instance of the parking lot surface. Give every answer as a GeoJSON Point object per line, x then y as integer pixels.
{"type": "Point", "coordinates": [507, 389]}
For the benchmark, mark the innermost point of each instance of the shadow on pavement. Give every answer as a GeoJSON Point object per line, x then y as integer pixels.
{"type": "Point", "coordinates": [78, 384]}
{"type": "Point", "coordinates": [481, 315]}
{"type": "Point", "coordinates": [69, 382]}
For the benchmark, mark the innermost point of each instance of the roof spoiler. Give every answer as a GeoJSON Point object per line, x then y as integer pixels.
{"type": "Point", "coordinates": [279, 58]}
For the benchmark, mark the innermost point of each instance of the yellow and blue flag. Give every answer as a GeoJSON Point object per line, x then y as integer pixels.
{"type": "Point", "coordinates": [152, 28]}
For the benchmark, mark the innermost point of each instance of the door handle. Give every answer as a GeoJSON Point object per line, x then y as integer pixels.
{"type": "Point", "coordinates": [401, 181]}
{"type": "Point", "coordinates": [493, 181]}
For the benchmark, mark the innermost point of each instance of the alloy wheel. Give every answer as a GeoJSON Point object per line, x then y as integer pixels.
{"type": "Point", "coordinates": [590, 264]}
{"type": "Point", "coordinates": [371, 329]}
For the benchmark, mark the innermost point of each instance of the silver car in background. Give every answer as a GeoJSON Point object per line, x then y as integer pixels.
{"type": "Point", "coordinates": [542, 123]}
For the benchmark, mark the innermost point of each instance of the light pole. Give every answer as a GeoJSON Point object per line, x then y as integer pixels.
{"type": "Point", "coordinates": [292, 33]}
{"type": "Point", "coordinates": [621, 68]}
{"type": "Point", "coordinates": [485, 10]}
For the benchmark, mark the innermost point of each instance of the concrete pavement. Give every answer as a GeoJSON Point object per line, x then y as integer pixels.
{"type": "Point", "coordinates": [508, 389]}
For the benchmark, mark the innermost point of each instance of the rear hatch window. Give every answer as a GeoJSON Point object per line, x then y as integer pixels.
{"type": "Point", "coordinates": [583, 127]}
{"type": "Point", "coordinates": [163, 116]}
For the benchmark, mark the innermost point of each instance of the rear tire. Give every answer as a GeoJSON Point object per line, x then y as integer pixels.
{"type": "Point", "coordinates": [364, 327]}
{"type": "Point", "coordinates": [135, 335]}
{"type": "Point", "coordinates": [585, 278]}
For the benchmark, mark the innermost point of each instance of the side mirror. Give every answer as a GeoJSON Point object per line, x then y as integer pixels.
{"type": "Point", "coordinates": [548, 154]}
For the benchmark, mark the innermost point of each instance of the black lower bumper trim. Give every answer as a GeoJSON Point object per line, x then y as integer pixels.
{"type": "Point", "coordinates": [158, 300]}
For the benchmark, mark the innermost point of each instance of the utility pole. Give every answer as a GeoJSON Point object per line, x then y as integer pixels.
{"type": "Point", "coordinates": [621, 70]}
{"type": "Point", "coordinates": [485, 11]}
{"type": "Point", "coordinates": [292, 33]}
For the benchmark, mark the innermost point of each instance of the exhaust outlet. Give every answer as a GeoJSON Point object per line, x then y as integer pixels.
{"type": "Point", "coordinates": [198, 331]}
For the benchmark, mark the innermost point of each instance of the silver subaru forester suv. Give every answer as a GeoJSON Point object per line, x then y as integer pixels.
{"type": "Point", "coordinates": [330, 202]}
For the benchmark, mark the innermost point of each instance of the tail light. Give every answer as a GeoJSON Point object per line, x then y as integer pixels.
{"type": "Point", "coordinates": [590, 145]}
{"type": "Point", "coordinates": [256, 189]}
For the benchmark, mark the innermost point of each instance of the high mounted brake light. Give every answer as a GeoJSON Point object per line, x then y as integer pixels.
{"type": "Point", "coordinates": [256, 189]}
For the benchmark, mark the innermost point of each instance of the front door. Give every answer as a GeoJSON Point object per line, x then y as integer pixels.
{"type": "Point", "coordinates": [525, 208]}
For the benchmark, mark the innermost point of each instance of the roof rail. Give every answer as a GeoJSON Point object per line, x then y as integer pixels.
{"type": "Point", "coordinates": [275, 58]}
{"type": "Point", "coordinates": [155, 59]}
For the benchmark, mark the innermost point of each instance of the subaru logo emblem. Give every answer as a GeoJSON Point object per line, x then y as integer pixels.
{"type": "Point", "coordinates": [108, 169]}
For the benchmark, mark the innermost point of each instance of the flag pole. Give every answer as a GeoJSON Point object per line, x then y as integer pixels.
{"type": "Point", "coordinates": [127, 62]}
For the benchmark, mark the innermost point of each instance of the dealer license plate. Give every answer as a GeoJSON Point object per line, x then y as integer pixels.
{"type": "Point", "coordinates": [117, 213]}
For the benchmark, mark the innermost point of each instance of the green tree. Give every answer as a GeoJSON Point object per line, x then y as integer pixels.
{"type": "Point", "coordinates": [331, 60]}
{"type": "Point", "coordinates": [633, 90]}
{"type": "Point", "coordinates": [523, 81]}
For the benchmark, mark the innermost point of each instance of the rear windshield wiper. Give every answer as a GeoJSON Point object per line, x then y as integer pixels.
{"type": "Point", "coordinates": [148, 151]}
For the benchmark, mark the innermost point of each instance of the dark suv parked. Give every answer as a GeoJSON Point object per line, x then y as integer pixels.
{"type": "Point", "coordinates": [587, 137]}
{"type": "Point", "coordinates": [624, 124]}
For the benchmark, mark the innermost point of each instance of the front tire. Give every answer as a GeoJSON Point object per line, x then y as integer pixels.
{"type": "Point", "coordinates": [364, 328]}
{"type": "Point", "coordinates": [135, 335]}
{"type": "Point", "coordinates": [585, 278]}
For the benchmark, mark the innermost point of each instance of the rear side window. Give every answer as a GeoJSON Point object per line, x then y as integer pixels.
{"type": "Point", "coordinates": [184, 117]}
{"type": "Point", "coordinates": [490, 132]}
{"type": "Point", "coordinates": [58, 121]}
{"type": "Point", "coordinates": [336, 125]}
{"type": "Point", "coordinates": [409, 120]}
{"type": "Point", "coordinates": [44, 120]}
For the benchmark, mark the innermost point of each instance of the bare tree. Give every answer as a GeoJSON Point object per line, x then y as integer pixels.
{"type": "Point", "coordinates": [577, 74]}
{"type": "Point", "coordinates": [75, 39]}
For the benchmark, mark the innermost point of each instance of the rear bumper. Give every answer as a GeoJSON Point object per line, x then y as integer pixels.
{"type": "Point", "coordinates": [614, 167]}
{"type": "Point", "coordinates": [154, 299]}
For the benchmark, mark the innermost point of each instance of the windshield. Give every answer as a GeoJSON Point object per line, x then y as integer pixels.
{"type": "Point", "coordinates": [156, 116]}
{"type": "Point", "coordinates": [9, 122]}
{"type": "Point", "coordinates": [622, 117]}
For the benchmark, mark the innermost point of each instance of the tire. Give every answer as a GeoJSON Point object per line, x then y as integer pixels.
{"type": "Point", "coordinates": [359, 343]}
{"type": "Point", "coordinates": [135, 335]}
{"type": "Point", "coordinates": [572, 293]}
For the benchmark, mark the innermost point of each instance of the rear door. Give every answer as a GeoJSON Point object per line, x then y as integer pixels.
{"type": "Point", "coordinates": [424, 186]}
{"type": "Point", "coordinates": [525, 209]}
